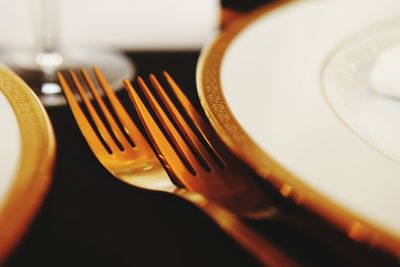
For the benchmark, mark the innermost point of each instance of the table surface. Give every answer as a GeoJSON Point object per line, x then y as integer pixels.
{"type": "Point", "coordinates": [89, 218]}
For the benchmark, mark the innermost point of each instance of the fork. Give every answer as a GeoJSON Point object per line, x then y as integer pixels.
{"type": "Point", "coordinates": [122, 149]}
{"type": "Point", "coordinates": [194, 155]}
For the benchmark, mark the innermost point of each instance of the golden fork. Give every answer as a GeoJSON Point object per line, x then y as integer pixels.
{"type": "Point", "coordinates": [195, 156]}
{"type": "Point", "coordinates": [124, 151]}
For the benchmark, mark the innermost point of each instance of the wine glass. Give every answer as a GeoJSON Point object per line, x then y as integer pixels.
{"type": "Point", "coordinates": [38, 66]}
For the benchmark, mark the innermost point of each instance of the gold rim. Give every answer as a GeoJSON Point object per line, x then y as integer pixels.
{"type": "Point", "coordinates": [35, 164]}
{"type": "Point", "coordinates": [222, 119]}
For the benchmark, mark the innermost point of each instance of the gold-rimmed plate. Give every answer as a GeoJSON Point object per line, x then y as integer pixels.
{"type": "Point", "coordinates": [261, 83]}
{"type": "Point", "coordinates": [27, 151]}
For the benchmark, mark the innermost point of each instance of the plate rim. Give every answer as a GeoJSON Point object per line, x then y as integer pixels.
{"type": "Point", "coordinates": [239, 142]}
{"type": "Point", "coordinates": [36, 161]}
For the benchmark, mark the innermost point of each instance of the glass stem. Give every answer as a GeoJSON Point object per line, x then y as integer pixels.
{"type": "Point", "coordinates": [47, 56]}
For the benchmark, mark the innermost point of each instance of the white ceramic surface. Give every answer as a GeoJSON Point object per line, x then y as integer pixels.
{"type": "Point", "coordinates": [272, 79]}
{"type": "Point", "coordinates": [10, 146]}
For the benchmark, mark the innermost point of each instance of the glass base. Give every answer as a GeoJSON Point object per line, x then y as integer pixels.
{"type": "Point", "coordinates": [43, 81]}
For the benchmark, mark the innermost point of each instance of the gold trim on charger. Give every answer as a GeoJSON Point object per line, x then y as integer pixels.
{"type": "Point", "coordinates": [36, 162]}
{"type": "Point", "coordinates": [217, 110]}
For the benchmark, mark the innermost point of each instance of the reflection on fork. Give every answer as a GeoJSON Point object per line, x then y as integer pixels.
{"type": "Point", "coordinates": [122, 150]}
{"type": "Point", "coordinates": [207, 178]}
{"type": "Point", "coordinates": [194, 155]}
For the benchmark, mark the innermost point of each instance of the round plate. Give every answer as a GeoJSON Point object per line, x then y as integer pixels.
{"type": "Point", "coordinates": [27, 150]}
{"type": "Point", "coordinates": [261, 83]}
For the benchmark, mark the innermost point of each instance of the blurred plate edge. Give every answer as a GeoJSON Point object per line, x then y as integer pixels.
{"type": "Point", "coordinates": [33, 176]}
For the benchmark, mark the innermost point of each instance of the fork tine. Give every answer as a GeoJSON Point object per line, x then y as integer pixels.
{"type": "Point", "coordinates": [130, 128]}
{"type": "Point", "coordinates": [176, 138]}
{"type": "Point", "coordinates": [83, 123]}
{"type": "Point", "coordinates": [182, 124]}
{"type": "Point", "coordinates": [202, 127]}
{"type": "Point", "coordinates": [110, 119]}
{"type": "Point", "coordinates": [189, 108]}
{"type": "Point", "coordinates": [168, 156]}
{"type": "Point", "coordinates": [93, 113]}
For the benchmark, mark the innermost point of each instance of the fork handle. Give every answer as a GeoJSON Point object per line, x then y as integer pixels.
{"type": "Point", "coordinates": [267, 253]}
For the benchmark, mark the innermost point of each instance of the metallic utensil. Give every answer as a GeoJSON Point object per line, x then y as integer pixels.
{"type": "Point", "coordinates": [199, 160]}
{"type": "Point", "coordinates": [123, 150]}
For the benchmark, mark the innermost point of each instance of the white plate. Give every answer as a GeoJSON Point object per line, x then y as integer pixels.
{"type": "Point", "coordinates": [26, 158]}
{"type": "Point", "coordinates": [263, 84]}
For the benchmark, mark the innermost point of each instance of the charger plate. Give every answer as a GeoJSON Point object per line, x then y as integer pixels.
{"type": "Point", "coordinates": [263, 85]}
{"type": "Point", "coordinates": [27, 150]}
